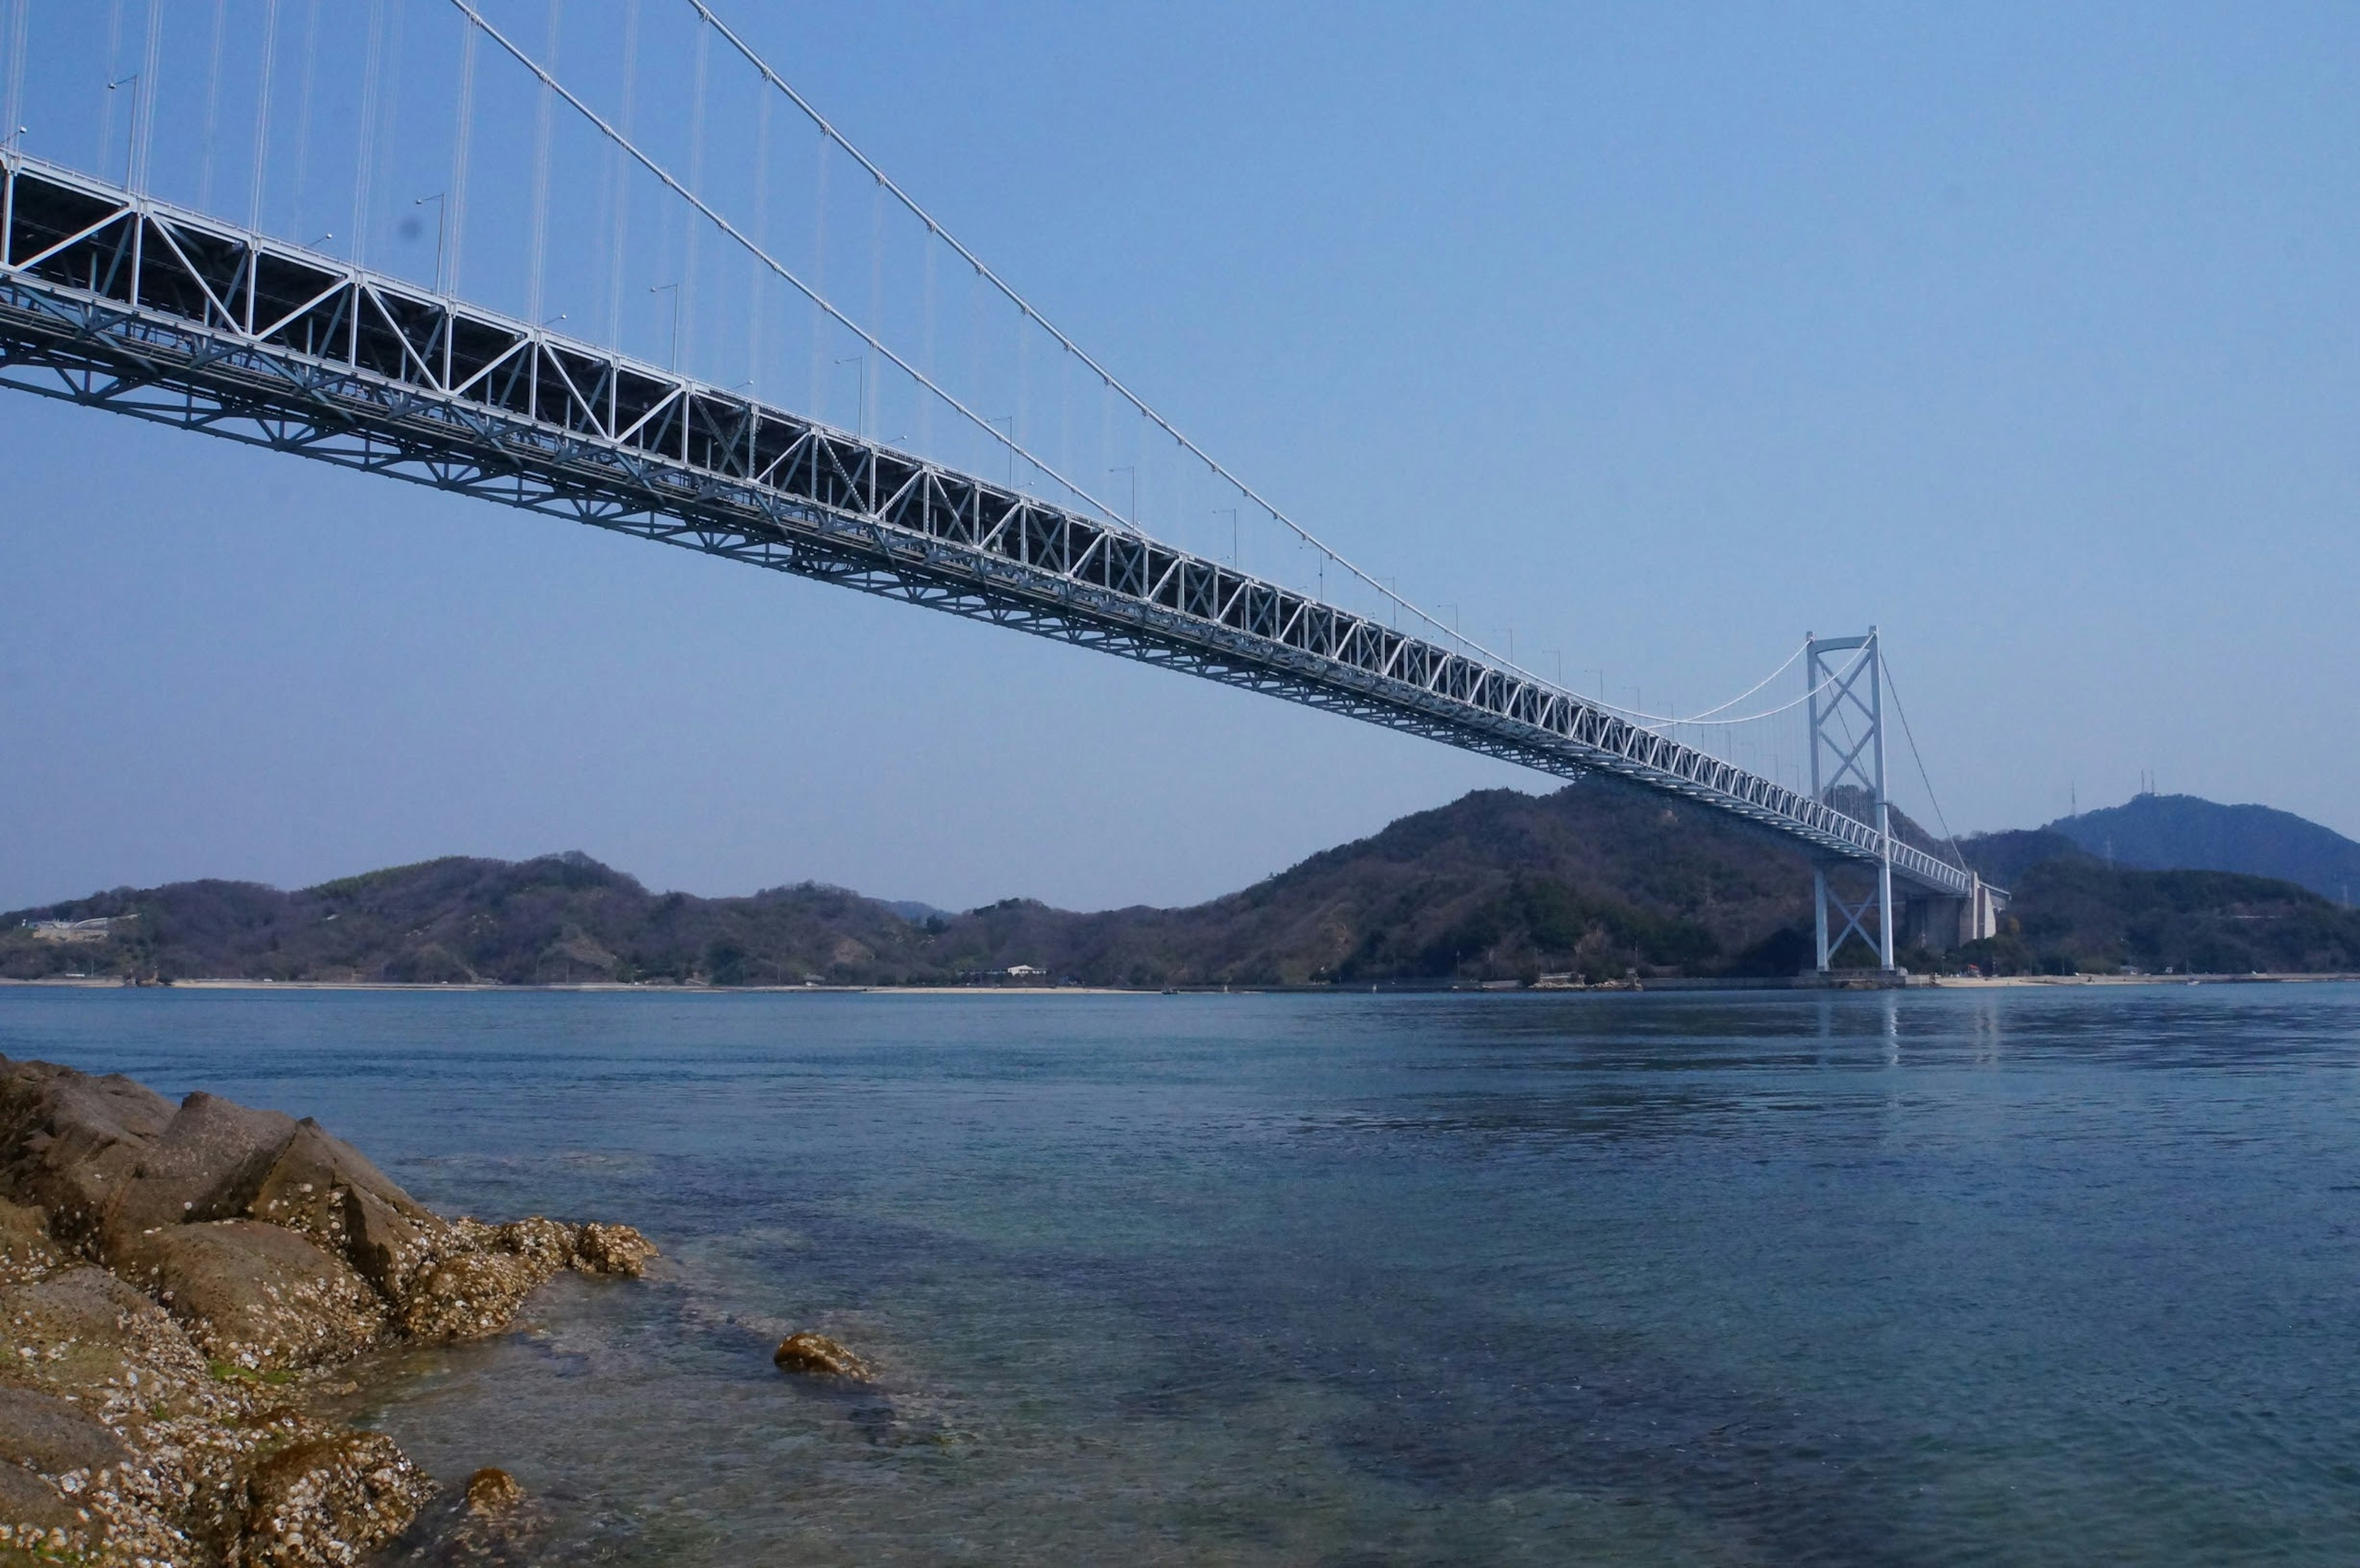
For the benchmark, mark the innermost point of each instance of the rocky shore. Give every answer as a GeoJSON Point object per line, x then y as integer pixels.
{"type": "Point", "coordinates": [175, 1281]}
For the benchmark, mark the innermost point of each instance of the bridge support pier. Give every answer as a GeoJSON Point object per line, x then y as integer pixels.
{"type": "Point", "coordinates": [1945, 923]}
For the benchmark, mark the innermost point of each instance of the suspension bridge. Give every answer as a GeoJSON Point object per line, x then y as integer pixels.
{"type": "Point", "coordinates": [115, 297]}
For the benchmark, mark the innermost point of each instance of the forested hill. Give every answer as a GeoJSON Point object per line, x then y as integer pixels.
{"type": "Point", "coordinates": [2181, 833]}
{"type": "Point", "coordinates": [1596, 880]}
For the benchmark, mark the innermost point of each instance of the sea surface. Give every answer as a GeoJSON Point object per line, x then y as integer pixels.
{"type": "Point", "coordinates": [2063, 1276]}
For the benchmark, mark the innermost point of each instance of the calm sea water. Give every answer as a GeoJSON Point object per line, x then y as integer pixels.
{"type": "Point", "coordinates": [2028, 1277]}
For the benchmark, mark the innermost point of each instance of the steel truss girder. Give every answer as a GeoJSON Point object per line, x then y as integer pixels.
{"type": "Point", "coordinates": [121, 302]}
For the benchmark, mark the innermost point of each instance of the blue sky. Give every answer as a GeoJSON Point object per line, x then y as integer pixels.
{"type": "Point", "coordinates": [1663, 335]}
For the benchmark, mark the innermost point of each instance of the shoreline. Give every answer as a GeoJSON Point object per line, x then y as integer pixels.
{"type": "Point", "coordinates": [1841, 981]}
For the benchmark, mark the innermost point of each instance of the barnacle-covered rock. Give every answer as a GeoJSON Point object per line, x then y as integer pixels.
{"type": "Point", "coordinates": [256, 1296]}
{"type": "Point", "coordinates": [492, 1490]}
{"type": "Point", "coordinates": [167, 1422]}
{"type": "Point", "coordinates": [612, 1249]}
{"type": "Point", "coordinates": [816, 1355]}
{"type": "Point", "coordinates": [327, 1500]}
{"type": "Point", "coordinates": [474, 1295]}
{"type": "Point", "coordinates": [27, 1253]}
{"type": "Point", "coordinates": [70, 1142]}
{"type": "Point", "coordinates": [547, 1245]}
{"type": "Point", "coordinates": [53, 1435]}
{"type": "Point", "coordinates": [206, 1165]}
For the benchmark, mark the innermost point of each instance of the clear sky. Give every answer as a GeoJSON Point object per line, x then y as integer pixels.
{"type": "Point", "coordinates": [1660, 334]}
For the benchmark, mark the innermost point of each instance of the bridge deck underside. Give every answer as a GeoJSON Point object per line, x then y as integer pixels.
{"type": "Point", "coordinates": [125, 303]}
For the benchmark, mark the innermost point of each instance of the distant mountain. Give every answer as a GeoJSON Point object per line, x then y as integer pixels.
{"type": "Point", "coordinates": [2181, 833]}
{"type": "Point", "coordinates": [2169, 882]}
{"type": "Point", "coordinates": [1599, 880]}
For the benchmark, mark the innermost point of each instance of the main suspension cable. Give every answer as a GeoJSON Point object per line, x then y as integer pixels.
{"type": "Point", "coordinates": [1923, 778]}
{"type": "Point", "coordinates": [1837, 677]}
{"type": "Point", "coordinates": [672, 182]}
{"type": "Point", "coordinates": [1113, 381]}
{"type": "Point", "coordinates": [988, 427]}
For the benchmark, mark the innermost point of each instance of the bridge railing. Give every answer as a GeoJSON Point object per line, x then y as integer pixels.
{"type": "Point", "coordinates": [124, 302]}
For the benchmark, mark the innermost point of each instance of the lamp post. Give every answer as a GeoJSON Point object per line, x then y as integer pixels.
{"type": "Point", "coordinates": [658, 289]}
{"type": "Point", "coordinates": [859, 409]}
{"type": "Point", "coordinates": [441, 212]}
{"type": "Point", "coordinates": [131, 143]}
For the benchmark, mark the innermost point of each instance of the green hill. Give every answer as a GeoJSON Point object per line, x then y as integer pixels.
{"type": "Point", "coordinates": [557, 918]}
{"type": "Point", "coordinates": [2181, 833]}
{"type": "Point", "coordinates": [2076, 914]}
{"type": "Point", "coordinates": [1593, 879]}
{"type": "Point", "coordinates": [1596, 880]}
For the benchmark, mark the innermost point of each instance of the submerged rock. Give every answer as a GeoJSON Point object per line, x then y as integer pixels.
{"type": "Point", "coordinates": [493, 1491]}
{"type": "Point", "coordinates": [818, 1355]}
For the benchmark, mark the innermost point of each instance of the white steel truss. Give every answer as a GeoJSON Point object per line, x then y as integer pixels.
{"type": "Point", "coordinates": [119, 301]}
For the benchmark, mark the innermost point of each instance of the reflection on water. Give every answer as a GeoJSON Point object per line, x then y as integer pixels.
{"type": "Point", "coordinates": [2026, 1276]}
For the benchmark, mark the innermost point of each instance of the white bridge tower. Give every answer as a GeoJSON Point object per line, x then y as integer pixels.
{"type": "Point", "coordinates": [1847, 718]}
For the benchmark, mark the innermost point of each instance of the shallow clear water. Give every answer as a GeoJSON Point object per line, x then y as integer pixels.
{"type": "Point", "coordinates": [2023, 1276]}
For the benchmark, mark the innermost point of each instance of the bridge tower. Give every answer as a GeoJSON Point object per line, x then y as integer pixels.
{"type": "Point", "coordinates": [1847, 720]}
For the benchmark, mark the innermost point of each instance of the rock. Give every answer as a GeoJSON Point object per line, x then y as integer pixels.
{"type": "Point", "coordinates": [27, 1253]}
{"type": "Point", "coordinates": [327, 1500]}
{"type": "Point", "coordinates": [256, 1296]}
{"type": "Point", "coordinates": [493, 1491]}
{"type": "Point", "coordinates": [121, 1418]}
{"type": "Point", "coordinates": [471, 1296]}
{"type": "Point", "coordinates": [548, 1245]}
{"type": "Point", "coordinates": [612, 1249]}
{"type": "Point", "coordinates": [206, 1165]}
{"type": "Point", "coordinates": [79, 1328]}
{"type": "Point", "coordinates": [816, 1355]}
{"type": "Point", "coordinates": [309, 1186]}
{"type": "Point", "coordinates": [54, 1435]}
{"type": "Point", "coordinates": [36, 1518]}
{"type": "Point", "coordinates": [387, 1246]}
{"type": "Point", "coordinates": [133, 1431]}
{"type": "Point", "coordinates": [69, 1142]}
